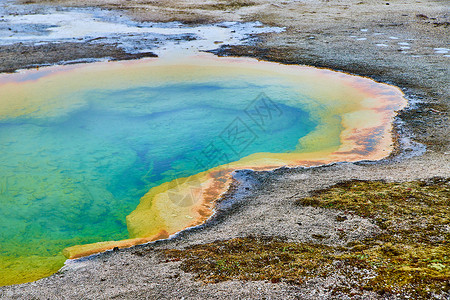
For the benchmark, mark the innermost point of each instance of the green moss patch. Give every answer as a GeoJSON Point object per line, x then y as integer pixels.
{"type": "Point", "coordinates": [254, 259]}
{"type": "Point", "coordinates": [411, 256]}
{"type": "Point", "coordinates": [413, 250]}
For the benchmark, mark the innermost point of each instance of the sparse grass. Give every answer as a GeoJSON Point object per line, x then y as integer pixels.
{"type": "Point", "coordinates": [411, 256]}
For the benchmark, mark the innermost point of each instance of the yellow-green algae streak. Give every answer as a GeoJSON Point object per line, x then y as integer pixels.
{"type": "Point", "coordinates": [353, 117]}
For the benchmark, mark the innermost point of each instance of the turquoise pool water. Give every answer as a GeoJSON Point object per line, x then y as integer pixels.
{"type": "Point", "coordinates": [73, 177]}
{"type": "Point", "coordinates": [91, 153]}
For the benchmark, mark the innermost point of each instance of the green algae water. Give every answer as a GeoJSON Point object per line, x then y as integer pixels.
{"type": "Point", "coordinates": [79, 152]}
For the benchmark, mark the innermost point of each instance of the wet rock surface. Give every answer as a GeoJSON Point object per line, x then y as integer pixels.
{"type": "Point", "coordinates": [20, 56]}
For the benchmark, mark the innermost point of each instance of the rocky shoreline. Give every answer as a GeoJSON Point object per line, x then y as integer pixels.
{"type": "Point", "coordinates": [339, 36]}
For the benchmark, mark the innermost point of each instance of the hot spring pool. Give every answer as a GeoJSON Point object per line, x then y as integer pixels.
{"type": "Point", "coordinates": [135, 151]}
